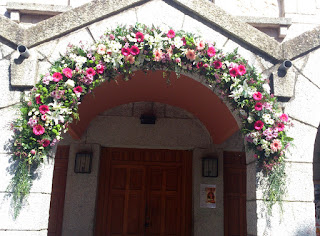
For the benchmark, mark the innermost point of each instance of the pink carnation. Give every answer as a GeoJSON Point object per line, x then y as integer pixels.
{"type": "Point", "coordinates": [171, 34]}
{"type": "Point", "coordinates": [211, 51]}
{"type": "Point", "coordinates": [139, 37]}
{"type": "Point", "coordinates": [56, 77]}
{"type": "Point", "coordinates": [43, 109]}
{"type": "Point", "coordinates": [67, 72]}
{"type": "Point", "coordinates": [257, 96]}
{"type": "Point", "coordinates": [241, 69]}
{"type": "Point", "coordinates": [38, 129]}
{"type": "Point", "coordinates": [258, 125]}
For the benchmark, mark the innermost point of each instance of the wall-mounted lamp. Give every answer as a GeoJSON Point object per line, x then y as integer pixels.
{"type": "Point", "coordinates": [23, 50]}
{"type": "Point", "coordinates": [146, 119]}
{"type": "Point", "coordinates": [83, 162]}
{"type": "Point", "coordinates": [282, 70]}
{"type": "Point", "coordinates": [210, 167]}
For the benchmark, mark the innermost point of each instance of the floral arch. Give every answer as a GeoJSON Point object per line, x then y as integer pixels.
{"type": "Point", "coordinates": [53, 103]}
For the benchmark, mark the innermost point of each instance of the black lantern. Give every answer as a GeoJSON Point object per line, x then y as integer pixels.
{"type": "Point", "coordinates": [210, 167]}
{"type": "Point", "coordinates": [83, 162]}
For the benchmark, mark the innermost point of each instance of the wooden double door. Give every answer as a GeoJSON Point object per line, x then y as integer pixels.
{"type": "Point", "coordinates": [144, 192]}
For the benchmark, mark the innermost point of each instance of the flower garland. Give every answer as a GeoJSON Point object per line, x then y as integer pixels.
{"type": "Point", "coordinates": [53, 103]}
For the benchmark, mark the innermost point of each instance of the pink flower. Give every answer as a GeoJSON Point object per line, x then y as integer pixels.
{"type": "Point", "coordinates": [217, 64]}
{"type": "Point", "coordinates": [171, 34]}
{"type": "Point", "coordinates": [178, 60]}
{"type": "Point", "coordinates": [284, 117]}
{"type": "Point", "coordinates": [258, 125]}
{"type": "Point", "coordinates": [33, 152]}
{"type": "Point", "coordinates": [139, 37]}
{"type": "Point", "coordinates": [67, 72]}
{"type": "Point", "coordinates": [184, 41]}
{"type": "Point", "coordinates": [29, 104]}
{"type": "Point", "coordinates": [100, 69]}
{"type": "Point", "coordinates": [77, 89]}
{"type": "Point", "coordinates": [43, 109]}
{"type": "Point", "coordinates": [38, 129]}
{"type": "Point", "coordinates": [205, 65]}
{"type": "Point", "coordinates": [191, 55]}
{"type": "Point", "coordinates": [276, 145]}
{"type": "Point", "coordinates": [90, 72]}
{"type": "Point", "coordinates": [234, 72]}
{"type": "Point", "coordinates": [111, 36]}
{"type": "Point", "coordinates": [258, 106]}
{"type": "Point", "coordinates": [44, 117]}
{"type": "Point", "coordinates": [170, 51]}
{"type": "Point", "coordinates": [199, 64]}
{"type": "Point", "coordinates": [257, 96]}
{"type": "Point", "coordinates": [280, 127]}
{"type": "Point", "coordinates": [38, 100]}
{"type": "Point", "coordinates": [45, 142]}
{"type": "Point", "coordinates": [200, 45]}
{"type": "Point", "coordinates": [57, 77]}
{"type": "Point", "coordinates": [211, 51]}
{"type": "Point", "coordinates": [130, 59]}
{"type": "Point", "coordinates": [134, 50]}
{"type": "Point", "coordinates": [241, 69]}
{"type": "Point", "coordinates": [157, 55]}
{"type": "Point", "coordinates": [125, 51]}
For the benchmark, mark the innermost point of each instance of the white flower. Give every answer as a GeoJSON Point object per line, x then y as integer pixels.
{"type": "Point", "coordinates": [255, 141]}
{"type": "Point", "coordinates": [70, 83]}
{"type": "Point", "coordinates": [250, 119]}
{"type": "Point", "coordinates": [266, 117]}
{"type": "Point", "coordinates": [178, 42]}
{"type": "Point", "coordinates": [30, 113]}
{"type": "Point", "coordinates": [243, 112]}
{"type": "Point", "coordinates": [270, 121]}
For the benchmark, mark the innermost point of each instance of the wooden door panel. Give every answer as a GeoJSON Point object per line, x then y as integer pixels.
{"type": "Point", "coordinates": [144, 193]}
{"type": "Point", "coordinates": [235, 222]}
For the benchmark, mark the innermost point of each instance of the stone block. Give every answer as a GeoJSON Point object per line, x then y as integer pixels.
{"type": "Point", "coordinates": [159, 13]}
{"type": "Point", "coordinates": [252, 57]}
{"type": "Point", "coordinates": [140, 108]}
{"type": "Point", "coordinates": [42, 179]}
{"type": "Point", "coordinates": [284, 86]}
{"type": "Point", "coordinates": [251, 217]}
{"type": "Point", "coordinates": [123, 110]}
{"type": "Point", "coordinates": [33, 216]}
{"type": "Point", "coordinates": [44, 67]}
{"type": "Point", "coordinates": [8, 115]}
{"type": "Point", "coordinates": [77, 3]}
{"type": "Point", "coordinates": [127, 17]}
{"type": "Point", "coordinates": [207, 31]}
{"type": "Point", "coordinates": [297, 218]}
{"type": "Point", "coordinates": [299, 182]}
{"type": "Point", "coordinates": [9, 96]}
{"type": "Point", "coordinates": [176, 112]}
{"type": "Point", "coordinates": [304, 142]}
{"type": "Point", "coordinates": [309, 69]}
{"type": "Point", "coordinates": [73, 38]}
{"type": "Point", "coordinates": [307, 99]}
{"type": "Point", "coordinates": [252, 181]}
{"type": "Point", "coordinates": [166, 133]}
{"type": "Point", "coordinates": [15, 16]}
{"type": "Point", "coordinates": [24, 70]}
{"type": "Point", "coordinates": [46, 49]}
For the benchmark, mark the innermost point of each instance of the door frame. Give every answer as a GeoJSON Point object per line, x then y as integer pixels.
{"type": "Point", "coordinates": [105, 176]}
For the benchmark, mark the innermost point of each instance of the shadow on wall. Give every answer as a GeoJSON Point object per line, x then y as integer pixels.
{"type": "Point", "coordinates": [316, 178]}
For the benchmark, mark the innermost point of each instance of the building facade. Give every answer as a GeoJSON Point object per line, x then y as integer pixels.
{"type": "Point", "coordinates": [140, 172]}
